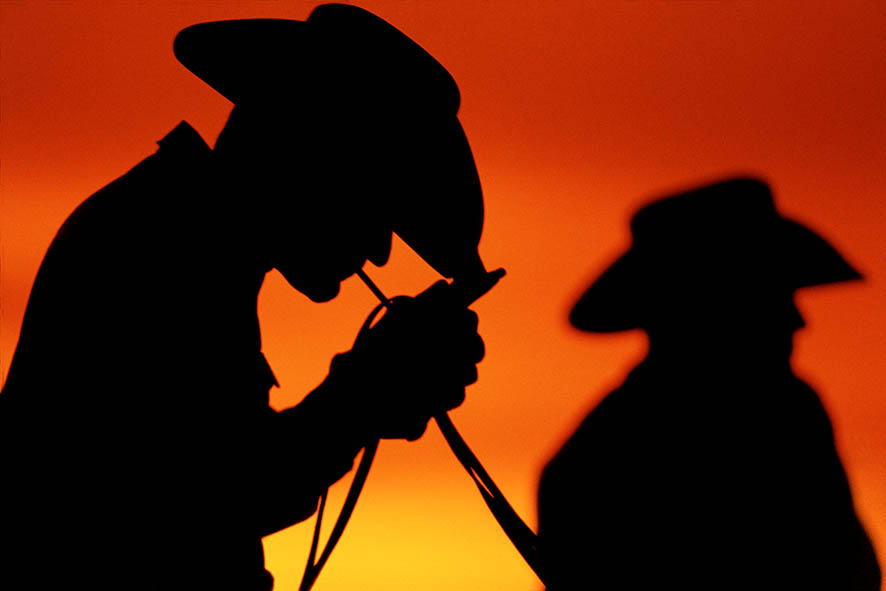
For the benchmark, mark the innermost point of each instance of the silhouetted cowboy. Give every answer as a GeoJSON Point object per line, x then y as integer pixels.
{"type": "Point", "coordinates": [712, 466]}
{"type": "Point", "coordinates": [138, 447]}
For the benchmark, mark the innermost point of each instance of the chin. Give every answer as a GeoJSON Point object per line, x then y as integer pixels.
{"type": "Point", "coordinates": [316, 287]}
{"type": "Point", "coordinates": [320, 292]}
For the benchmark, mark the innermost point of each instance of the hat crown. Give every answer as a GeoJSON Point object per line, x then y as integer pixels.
{"type": "Point", "coordinates": [341, 56]}
{"type": "Point", "coordinates": [354, 48]}
{"type": "Point", "coordinates": [716, 214]}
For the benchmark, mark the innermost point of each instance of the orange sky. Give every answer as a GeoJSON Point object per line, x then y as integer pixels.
{"type": "Point", "coordinates": [578, 112]}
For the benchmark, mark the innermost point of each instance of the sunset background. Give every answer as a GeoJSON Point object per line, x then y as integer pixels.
{"type": "Point", "coordinates": [578, 113]}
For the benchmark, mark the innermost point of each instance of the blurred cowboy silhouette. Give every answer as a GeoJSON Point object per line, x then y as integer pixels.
{"type": "Point", "coordinates": [138, 447]}
{"type": "Point", "coordinates": [712, 466]}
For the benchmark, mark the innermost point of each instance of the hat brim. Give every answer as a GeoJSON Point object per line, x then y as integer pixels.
{"type": "Point", "coordinates": [616, 300]}
{"type": "Point", "coordinates": [809, 259]}
{"type": "Point", "coordinates": [438, 211]}
{"type": "Point", "coordinates": [242, 59]}
{"type": "Point", "coordinates": [612, 302]}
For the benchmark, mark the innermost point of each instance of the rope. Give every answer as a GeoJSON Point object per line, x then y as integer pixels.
{"type": "Point", "coordinates": [520, 534]}
{"type": "Point", "coordinates": [313, 568]}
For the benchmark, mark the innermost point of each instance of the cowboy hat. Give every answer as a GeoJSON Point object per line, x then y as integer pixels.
{"type": "Point", "coordinates": [346, 63]}
{"type": "Point", "coordinates": [718, 235]}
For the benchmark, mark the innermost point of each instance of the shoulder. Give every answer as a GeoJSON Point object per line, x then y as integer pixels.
{"type": "Point", "coordinates": [163, 180]}
{"type": "Point", "coordinates": [600, 429]}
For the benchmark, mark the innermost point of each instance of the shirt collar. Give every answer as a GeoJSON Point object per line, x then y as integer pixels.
{"type": "Point", "coordinates": [184, 140]}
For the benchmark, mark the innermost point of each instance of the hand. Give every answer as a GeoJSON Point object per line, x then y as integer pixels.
{"type": "Point", "coordinates": [414, 363]}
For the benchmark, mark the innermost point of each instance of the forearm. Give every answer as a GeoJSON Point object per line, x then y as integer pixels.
{"type": "Point", "coordinates": [327, 427]}
{"type": "Point", "coordinates": [311, 446]}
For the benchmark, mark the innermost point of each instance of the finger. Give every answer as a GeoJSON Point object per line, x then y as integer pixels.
{"type": "Point", "coordinates": [416, 430]}
{"type": "Point", "coordinates": [471, 320]}
{"type": "Point", "coordinates": [469, 349]}
{"type": "Point", "coordinates": [470, 375]}
{"type": "Point", "coordinates": [476, 349]}
{"type": "Point", "coordinates": [454, 397]}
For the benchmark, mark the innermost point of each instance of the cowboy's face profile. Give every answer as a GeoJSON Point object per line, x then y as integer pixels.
{"type": "Point", "coordinates": [748, 320]}
{"type": "Point", "coordinates": [317, 192]}
{"type": "Point", "coordinates": [326, 242]}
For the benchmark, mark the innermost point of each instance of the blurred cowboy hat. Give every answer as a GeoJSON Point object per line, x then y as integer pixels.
{"type": "Point", "coordinates": [710, 238]}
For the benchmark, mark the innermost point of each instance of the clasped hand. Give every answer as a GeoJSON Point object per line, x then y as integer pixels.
{"type": "Point", "coordinates": [413, 364]}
